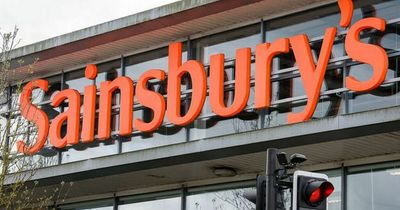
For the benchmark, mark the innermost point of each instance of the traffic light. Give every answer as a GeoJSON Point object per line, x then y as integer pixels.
{"type": "Point", "coordinates": [310, 191]}
{"type": "Point", "coordinates": [258, 196]}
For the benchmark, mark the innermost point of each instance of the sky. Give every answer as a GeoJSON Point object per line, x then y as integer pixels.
{"type": "Point", "coordinates": [38, 20]}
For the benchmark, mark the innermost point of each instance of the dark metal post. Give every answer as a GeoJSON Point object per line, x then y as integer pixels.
{"type": "Point", "coordinates": [263, 39]}
{"type": "Point", "coordinates": [183, 198]}
{"type": "Point", "coordinates": [344, 187]}
{"type": "Point", "coordinates": [62, 87]}
{"type": "Point", "coordinates": [115, 202]}
{"type": "Point", "coordinates": [189, 56]}
{"type": "Point", "coordinates": [123, 73]}
{"type": "Point", "coordinates": [272, 169]}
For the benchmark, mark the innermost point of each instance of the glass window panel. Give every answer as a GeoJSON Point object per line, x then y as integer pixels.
{"type": "Point", "coordinates": [227, 42]}
{"type": "Point", "coordinates": [335, 199]}
{"type": "Point", "coordinates": [285, 89]}
{"type": "Point", "coordinates": [227, 199]}
{"type": "Point", "coordinates": [135, 66]}
{"type": "Point", "coordinates": [383, 9]}
{"type": "Point", "coordinates": [390, 39]}
{"type": "Point", "coordinates": [106, 72]}
{"type": "Point", "coordinates": [46, 97]}
{"type": "Point", "coordinates": [374, 188]}
{"type": "Point", "coordinates": [385, 96]}
{"type": "Point", "coordinates": [21, 129]}
{"type": "Point", "coordinates": [388, 9]}
{"type": "Point", "coordinates": [315, 22]}
{"type": "Point", "coordinates": [311, 23]}
{"type": "Point", "coordinates": [290, 85]}
{"type": "Point", "coordinates": [22, 163]}
{"type": "Point", "coordinates": [169, 203]}
{"type": "Point", "coordinates": [76, 80]}
{"type": "Point", "coordinates": [47, 156]}
{"type": "Point", "coordinates": [94, 208]}
{"type": "Point", "coordinates": [329, 105]}
{"type": "Point", "coordinates": [3, 123]}
{"type": "Point", "coordinates": [333, 104]}
{"type": "Point", "coordinates": [15, 93]}
{"type": "Point", "coordinates": [4, 100]}
{"type": "Point", "coordinates": [207, 125]}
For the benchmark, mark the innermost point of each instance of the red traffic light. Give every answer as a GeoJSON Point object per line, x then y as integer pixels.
{"type": "Point", "coordinates": [315, 196]}
{"type": "Point", "coordinates": [310, 190]}
{"type": "Point", "coordinates": [317, 191]}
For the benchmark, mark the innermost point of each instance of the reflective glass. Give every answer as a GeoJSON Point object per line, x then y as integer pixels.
{"type": "Point", "coordinates": [290, 85]}
{"type": "Point", "coordinates": [228, 199]}
{"type": "Point", "coordinates": [311, 23]}
{"type": "Point", "coordinates": [384, 96]}
{"type": "Point", "coordinates": [227, 43]}
{"type": "Point", "coordinates": [383, 9]}
{"type": "Point", "coordinates": [286, 86]}
{"type": "Point", "coordinates": [95, 208]}
{"type": "Point", "coordinates": [374, 188]}
{"type": "Point", "coordinates": [335, 199]}
{"type": "Point", "coordinates": [135, 66]}
{"type": "Point", "coordinates": [76, 80]}
{"type": "Point", "coordinates": [169, 203]}
{"type": "Point", "coordinates": [22, 129]}
{"type": "Point", "coordinates": [4, 99]}
{"type": "Point", "coordinates": [207, 125]}
{"type": "Point", "coordinates": [106, 72]}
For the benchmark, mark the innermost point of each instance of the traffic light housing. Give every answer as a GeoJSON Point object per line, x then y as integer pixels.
{"type": "Point", "coordinates": [310, 191]}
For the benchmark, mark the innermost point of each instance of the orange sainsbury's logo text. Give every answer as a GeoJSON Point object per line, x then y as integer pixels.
{"type": "Point", "coordinates": [312, 76]}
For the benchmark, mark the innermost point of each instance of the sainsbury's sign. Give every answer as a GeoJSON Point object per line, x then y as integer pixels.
{"type": "Point", "coordinates": [312, 75]}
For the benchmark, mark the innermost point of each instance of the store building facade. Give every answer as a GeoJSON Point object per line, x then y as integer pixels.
{"type": "Point", "coordinates": [208, 162]}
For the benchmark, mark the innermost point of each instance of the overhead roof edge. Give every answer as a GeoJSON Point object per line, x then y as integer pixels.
{"type": "Point", "coordinates": [112, 25]}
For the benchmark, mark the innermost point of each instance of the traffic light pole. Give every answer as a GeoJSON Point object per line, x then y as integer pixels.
{"type": "Point", "coordinates": [271, 192]}
{"type": "Point", "coordinates": [309, 190]}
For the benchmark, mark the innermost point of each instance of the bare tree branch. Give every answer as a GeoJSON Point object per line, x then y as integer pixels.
{"type": "Point", "coordinates": [17, 189]}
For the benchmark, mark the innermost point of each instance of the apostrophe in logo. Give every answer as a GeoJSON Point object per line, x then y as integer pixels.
{"type": "Point", "coordinates": [346, 10]}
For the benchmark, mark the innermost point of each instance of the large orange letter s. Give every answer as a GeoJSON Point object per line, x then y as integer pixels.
{"type": "Point", "coordinates": [366, 53]}
{"type": "Point", "coordinates": [35, 115]}
{"type": "Point", "coordinates": [151, 99]}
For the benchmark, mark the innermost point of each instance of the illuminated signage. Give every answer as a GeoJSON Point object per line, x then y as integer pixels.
{"type": "Point", "coordinates": [312, 76]}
